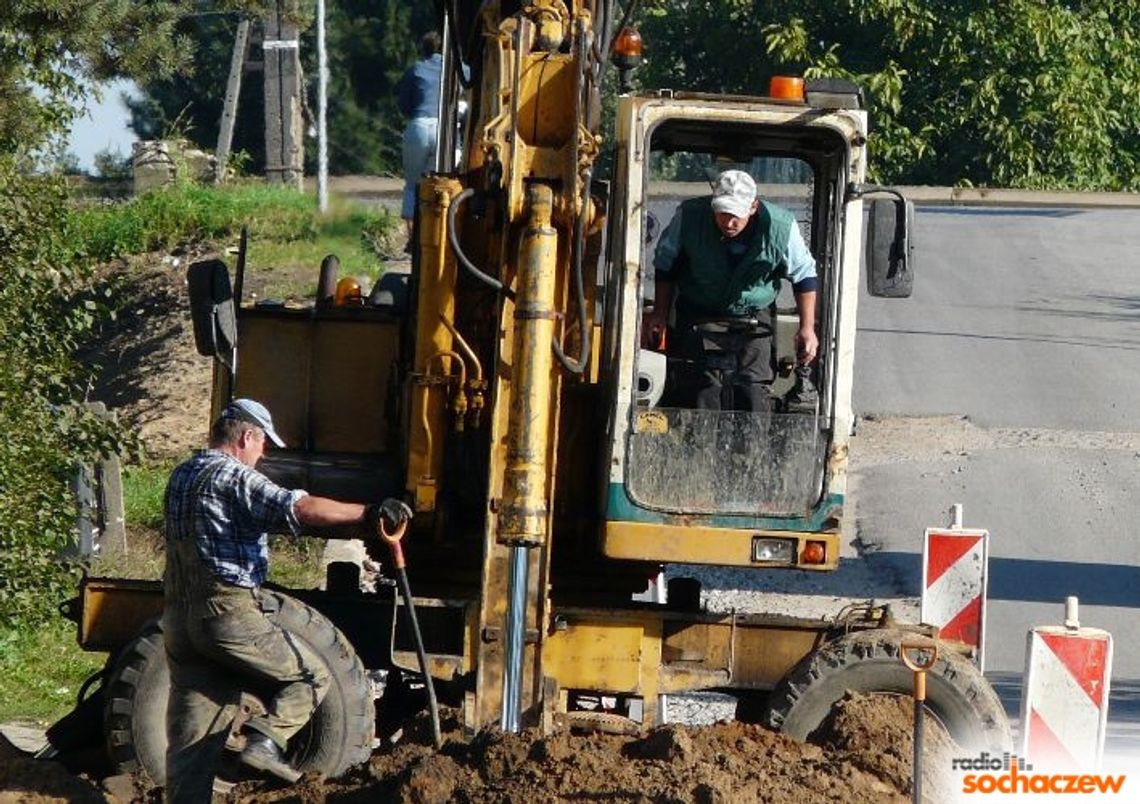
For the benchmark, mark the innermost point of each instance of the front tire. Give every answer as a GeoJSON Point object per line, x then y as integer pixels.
{"type": "Point", "coordinates": [869, 662]}
{"type": "Point", "coordinates": [338, 736]}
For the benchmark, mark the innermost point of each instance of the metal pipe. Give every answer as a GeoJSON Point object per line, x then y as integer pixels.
{"type": "Point", "coordinates": [513, 648]}
{"type": "Point", "coordinates": [322, 112]}
{"type": "Point", "coordinates": [428, 439]}
{"type": "Point", "coordinates": [444, 160]}
{"type": "Point", "coordinates": [476, 366]}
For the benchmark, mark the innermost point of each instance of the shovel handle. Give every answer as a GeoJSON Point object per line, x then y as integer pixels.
{"type": "Point", "coordinates": [393, 539]}
{"type": "Point", "coordinates": [919, 656]}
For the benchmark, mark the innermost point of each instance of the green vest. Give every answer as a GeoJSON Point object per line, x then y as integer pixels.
{"type": "Point", "coordinates": [710, 284]}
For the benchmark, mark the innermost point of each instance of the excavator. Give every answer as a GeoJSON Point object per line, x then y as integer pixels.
{"type": "Point", "coordinates": [502, 389]}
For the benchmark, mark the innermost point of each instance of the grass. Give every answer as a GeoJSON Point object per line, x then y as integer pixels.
{"type": "Point", "coordinates": [358, 237]}
{"type": "Point", "coordinates": [286, 228]}
{"type": "Point", "coordinates": [41, 672]}
{"type": "Point", "coordinates": [143, 487]}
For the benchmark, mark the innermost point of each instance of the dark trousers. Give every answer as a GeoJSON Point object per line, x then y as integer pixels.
{"type": "Point", "coordinates": [722, 366]}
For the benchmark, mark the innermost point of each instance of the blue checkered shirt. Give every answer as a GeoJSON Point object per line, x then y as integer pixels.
{"type": "Point", "coordinates": [228, 508]}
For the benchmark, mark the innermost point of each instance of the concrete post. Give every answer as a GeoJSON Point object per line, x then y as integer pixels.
{"type": "Point", "coordinates": [284, 146]}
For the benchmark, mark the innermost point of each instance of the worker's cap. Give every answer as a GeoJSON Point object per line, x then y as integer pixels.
{"type": "Point", "coordinates": [247, 410]}
{"type": "Point", "coordinates": [734, 193]}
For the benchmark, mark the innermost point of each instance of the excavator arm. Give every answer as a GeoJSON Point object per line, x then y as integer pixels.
{"type": "Point", "coordinates": [501, 264]}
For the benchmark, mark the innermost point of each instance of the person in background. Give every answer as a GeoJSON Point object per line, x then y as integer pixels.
{"type": "Point", "coordinates": [217, 623]}
{"type": "Point", "coordinates": [418, 96]}
{"type": "Point", "coordinates": [722, 259]}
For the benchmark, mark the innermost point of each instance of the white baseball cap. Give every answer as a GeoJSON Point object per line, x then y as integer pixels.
{"type": "Point", "coordinates": [734, 193]}
{"type": "Point", "coordinates": [249, 410]}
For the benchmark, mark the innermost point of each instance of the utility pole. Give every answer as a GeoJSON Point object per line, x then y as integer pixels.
{"type": "Point", "coordinates": [322, 112]}
{"type": "Point", "coordinates": [284, 146]}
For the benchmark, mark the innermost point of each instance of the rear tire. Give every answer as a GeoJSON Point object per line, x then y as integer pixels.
{"type": "Point", "coordinates": [338, 736]}
{"type": "Point", "coordinates": [868, 662]}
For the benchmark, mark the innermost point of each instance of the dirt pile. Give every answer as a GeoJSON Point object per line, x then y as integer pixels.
{"type": "Point", "coordinates": [149, 372]}
{"type": "Point", "coordinates": [24, 780]}
{"type": "Point", "coordinates": [860, 755]}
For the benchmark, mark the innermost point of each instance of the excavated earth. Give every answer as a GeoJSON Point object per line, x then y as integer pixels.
{"type": "Point", "coordinates": [860, 755]}
{"type": "Point", "coordinates": [155, 381]}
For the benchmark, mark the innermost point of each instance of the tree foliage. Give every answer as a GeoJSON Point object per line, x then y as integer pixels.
{"type": "Point", "coordinates": [1040, 94]}
{"type": "Point", "coordinates": [46, 308]}
{"type": "Point", "coordinates": [49, 52]}
{"type": "Point", "coordinates": [369, 43]}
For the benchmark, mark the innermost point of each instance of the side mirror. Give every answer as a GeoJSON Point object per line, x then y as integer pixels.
{"type": "Point", "coordinates": [212, 309]}
{"type": "Point", "coordinates": [890, 247]}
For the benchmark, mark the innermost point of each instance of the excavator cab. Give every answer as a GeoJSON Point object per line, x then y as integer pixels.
{"type": "Point", "coordinates": [763, 487]}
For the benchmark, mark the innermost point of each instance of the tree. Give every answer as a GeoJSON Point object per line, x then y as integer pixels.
{"type": "Point", "coordinates": [49, 52]}
{"type": "Point", "coordinates": [369, 42]}
{"type": "Point", "coordinates": [1025, 93]}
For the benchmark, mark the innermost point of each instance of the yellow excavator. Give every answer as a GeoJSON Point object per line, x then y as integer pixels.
{"type": "Point", "coordinates": [501, 388]}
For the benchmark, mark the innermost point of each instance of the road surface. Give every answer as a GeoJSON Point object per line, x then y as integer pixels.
{"type": "Point", "coordinates": [1027, 323]}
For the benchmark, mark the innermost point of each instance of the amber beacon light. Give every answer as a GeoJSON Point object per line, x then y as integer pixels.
{"type": "Point", "coordinates": [628, 44]}
{"type": "Point", "coordinates": [348, 293]}
{"type": "Point", "coordinates": [786, 87]}
{"type": "Point", "coordinates": [626, 56]}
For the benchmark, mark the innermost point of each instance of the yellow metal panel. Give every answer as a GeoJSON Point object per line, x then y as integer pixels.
{"type": "Point", "coordinates": [596, 657]}
{"type": "Point", "coordinates": [273, 368]}
{"type": "Point", "coordinates": [547, 100]}
{"type": "Point", "coordinates": [763, 656]}
{"type": "Point", "coordinates": [351, 364]}
{"type": "Point", "coordinates": [115, 610]}
{"type": "Point", "coordinates": [705, 545]}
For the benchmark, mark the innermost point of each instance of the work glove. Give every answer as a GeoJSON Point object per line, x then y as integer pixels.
{"type": "Point", "coordinates": [394, 513]}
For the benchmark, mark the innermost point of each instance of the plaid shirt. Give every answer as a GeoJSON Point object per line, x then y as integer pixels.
{"type": "Point", "coordinates": [228, 508]}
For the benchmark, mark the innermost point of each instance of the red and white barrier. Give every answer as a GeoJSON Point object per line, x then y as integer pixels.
{"type": "Point", "coordinates": [954, 576]}
{"type": "Point", "coordinates": [1064, 701]}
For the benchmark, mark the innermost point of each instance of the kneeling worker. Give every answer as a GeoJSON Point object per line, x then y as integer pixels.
{"type": "Point", "coordinates": [216, 623]}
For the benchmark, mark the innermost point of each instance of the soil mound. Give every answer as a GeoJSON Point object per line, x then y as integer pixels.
{"type": "Point", "coordinates": [852, 760]}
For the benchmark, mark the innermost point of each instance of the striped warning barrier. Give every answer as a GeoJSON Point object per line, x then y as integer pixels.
{"type": "Point", "coordinates": [954, 576]}
{"type": "Point", "coordinates": [1064, 701]}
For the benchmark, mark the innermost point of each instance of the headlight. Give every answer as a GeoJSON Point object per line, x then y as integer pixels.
{"type": "Point", "coordinates": [774, 551]}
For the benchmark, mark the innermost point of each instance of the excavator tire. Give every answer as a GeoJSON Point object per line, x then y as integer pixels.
{"type": "Point", "coordinates": [338, 736]}
{"type": "Point", "coordinates": [868, 662]}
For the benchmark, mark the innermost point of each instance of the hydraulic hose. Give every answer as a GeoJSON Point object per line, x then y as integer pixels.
{"type": "Point", "coordinates": [453, 238]}
{"type": "Point", "coordinates": [577, 367]}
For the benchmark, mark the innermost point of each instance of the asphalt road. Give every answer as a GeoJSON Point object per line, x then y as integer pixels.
{"type": "Point", "coordinates": [1027, 322]}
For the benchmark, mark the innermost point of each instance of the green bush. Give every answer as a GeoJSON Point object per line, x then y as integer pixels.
{"type": "Point", "coordinates": [46, 308]}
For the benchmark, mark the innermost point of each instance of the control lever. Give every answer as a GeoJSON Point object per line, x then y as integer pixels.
{"type": "Point", "coordinates": [803, 396]}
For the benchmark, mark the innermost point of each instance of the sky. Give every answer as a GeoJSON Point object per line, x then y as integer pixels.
{"type": "Point", "coordinates": [104, 126]}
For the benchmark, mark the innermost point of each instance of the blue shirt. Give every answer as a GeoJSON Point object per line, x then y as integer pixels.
{"type": "Point", "coordinates": [228, 508]}
{"type": "Point", "coordinates": [418, 90]}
